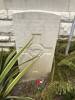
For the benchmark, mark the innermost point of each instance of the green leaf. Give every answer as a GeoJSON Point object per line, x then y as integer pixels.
{"type": "Point", "coordinates": [1, 56]}
{"type": "Point", "coordinates": [12, 62]}
{"type": "Point", "coordinates": [67, 63]}
{"type": "Point", "coordinates": [9, 57]}
{"type": "Point", "coordinates": [18, 77]}
{"type": "Point", "coordinates": [19, 98]}
{"type": "Point", "coordinates": [16, 71]}
{"type": "Point", "coordinates": [20, 65]}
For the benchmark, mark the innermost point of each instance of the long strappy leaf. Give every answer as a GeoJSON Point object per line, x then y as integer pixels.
{"type": "Point", "coordinates": [18, 77]}
{"type": "Point", "coordinates": [12, 62]}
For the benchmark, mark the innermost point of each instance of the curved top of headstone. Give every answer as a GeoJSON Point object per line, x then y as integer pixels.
{"type": "Point", "coordinates": [25, 14]}
{"type": "Point", "coordinates": [34, 15]}
{"type": "Point", "coordinates": [35, 22]}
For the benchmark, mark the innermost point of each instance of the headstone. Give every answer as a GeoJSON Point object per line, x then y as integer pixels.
{"type": "Point", "coordinates": [43, 27]}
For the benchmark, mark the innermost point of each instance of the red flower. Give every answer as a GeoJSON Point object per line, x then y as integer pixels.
{"type": "Point", "coordinates": [38, 82]}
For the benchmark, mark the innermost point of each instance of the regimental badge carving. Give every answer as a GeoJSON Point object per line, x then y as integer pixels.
{"type": "Point", "coordinates": [36, 49]}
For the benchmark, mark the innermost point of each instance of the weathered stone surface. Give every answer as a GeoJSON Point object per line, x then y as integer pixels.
{"type": "Point", "coordinates": [44, 28]}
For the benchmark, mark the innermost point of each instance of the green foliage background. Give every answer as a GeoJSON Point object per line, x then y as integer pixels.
{"type": "Point", "coordinates": [61, 81]}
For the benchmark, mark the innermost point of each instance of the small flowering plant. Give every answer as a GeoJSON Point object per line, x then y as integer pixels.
{"type": "Point", "coordinates": [38, 82]}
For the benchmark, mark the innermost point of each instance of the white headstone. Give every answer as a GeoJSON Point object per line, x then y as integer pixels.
{"type": "Point", "coordinates": [44, 28]}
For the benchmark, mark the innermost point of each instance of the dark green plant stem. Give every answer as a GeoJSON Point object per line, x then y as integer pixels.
{"type": "Point", "coordinates": [53, 71]}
